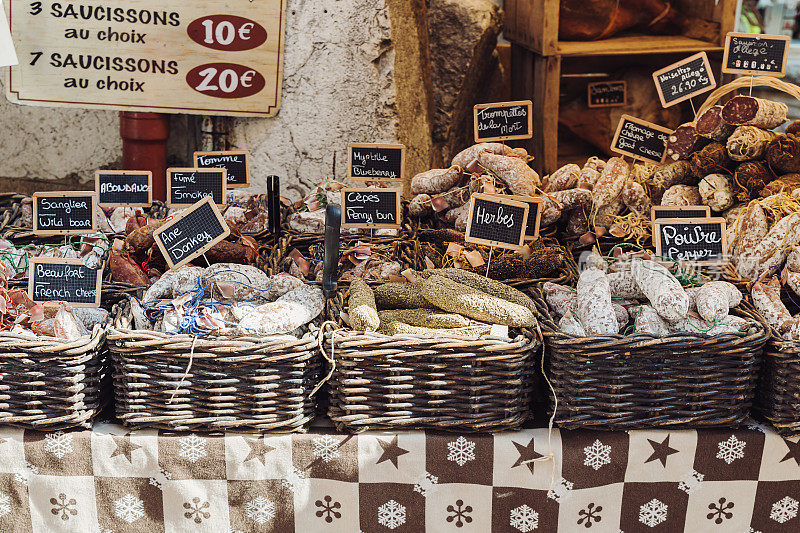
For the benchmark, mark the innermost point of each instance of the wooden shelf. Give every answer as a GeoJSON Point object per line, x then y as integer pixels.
{"type": "Point", "coordinates": [635, 44]}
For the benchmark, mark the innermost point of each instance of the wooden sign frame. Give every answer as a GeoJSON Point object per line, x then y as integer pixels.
{"type": "Point", "coordinates": [199, 251]}
{"type": "Point", "coordinates": [245, 153]}
{"type": "Point", "coordinates": [223, 171]}
{"type": "Point", "coordinates": [502, 200]}
{"type": "Point", "coordinates": [65, 261]}
{"type": "Point", "coordinates": [514, 103]}
{"type": "Point", "coordinates": [786, 42]}
{"type": "Point", "coordinates": [589, 93]}
{"type": "Point", "coordinates": [118, 172]}
{"type": "Point", "coordinates": [641, 122]}
{"type": "Point", "coordinates": [64, 194]}
{"type": "Point", "coordinates": [531, 200]}
{"type": "Point", "coordinates": [677, 208]}
{"type": "Point", "coordinates": [397, 215]}
{"type": "Point", "coordinates": [401, 147]}
{"type": "Point", "coordinates": [671, 221]}
{"type": "Point", "coordinates": [706, 64]}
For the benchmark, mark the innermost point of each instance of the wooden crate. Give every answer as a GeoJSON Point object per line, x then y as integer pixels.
{"type": "Point", "coordinates": [534, 25]}
{"type": "Point", "coordinates": [549, 80]}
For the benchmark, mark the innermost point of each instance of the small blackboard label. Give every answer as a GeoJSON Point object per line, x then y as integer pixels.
{"type": "Point", "coordinates": [370, 208]}
{"type": "Point", "coordinates": [67, 280]}
{"type": "Point", "coordinates": [684, 79]}
{"type": "Point", "coordinates": [503, 121]}
{"type": "Point", "coordinates": [378, 162]}
{"type": "Point", "coordinates": [534, 215]}
{"type": "Point", "coordinates": [640, 139]}
{"type": "Point", "coordinates": [235, 162]}
{"type": "Point", "coordinates": [496, 220]}
{"type": "Point", "coordinates": [607, 94]}
{"type": "Point", "coordinates": [191, 233]}
{"type": "Point", "coordinates": [697, 240]}
{"type": "Point", "coordinates": [678, 211]}
{"type": "Point", "coordinates": [64, 213]}
{"type": "Point", "coordinates": [186, 186]}
{"type": "Point", "coordinates": [124, 188]}
{"type": "Point", "coordinates": [763, 55]}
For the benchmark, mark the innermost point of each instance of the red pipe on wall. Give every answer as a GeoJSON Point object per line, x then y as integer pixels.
{"type": "Point", "coordinates": [144, 146]}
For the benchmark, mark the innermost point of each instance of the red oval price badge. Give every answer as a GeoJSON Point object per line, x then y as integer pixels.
{"type": "Point", "coordinates": [225, 80]}
{"type": "Point", "coordinates": [228, 33]}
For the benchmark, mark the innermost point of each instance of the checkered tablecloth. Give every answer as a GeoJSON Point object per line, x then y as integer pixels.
{"type": "Point", "coordinates": [111, 480]}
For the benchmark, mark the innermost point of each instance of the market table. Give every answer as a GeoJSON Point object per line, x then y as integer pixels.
{"type": "Point", "coordinates": [112, 480]}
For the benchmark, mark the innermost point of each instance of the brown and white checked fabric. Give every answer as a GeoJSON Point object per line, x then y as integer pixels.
{"type": "Point", "coordinates": [110, 480]}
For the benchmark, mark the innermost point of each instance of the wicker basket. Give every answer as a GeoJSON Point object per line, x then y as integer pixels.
{"type": "Point", "coordinates": [682, 380]}
{"type": "Point", "coordinates": [403, 382]}
{"type": "Point", "coordinates": [49, 384]}
{"type": "Point", "coordinates": [181, 382]}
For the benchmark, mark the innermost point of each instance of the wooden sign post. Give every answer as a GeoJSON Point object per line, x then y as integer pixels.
{"type": "Point", "coordinates": [124, 188]}
{"type": "Point", "coordinates": [684, 79]}
{"type": "Point", "coordinates": [64, 213]}
{"type": "Point", "coordinates": [191, 233]}
{"type": "Point", "coordinates": [378, 162]}
{"type": "Point", "coordinates": [370, 208]}
{"type": "Point", "coordinates": [640, 139]}
{"type": "Point", "coordinates": [185, 186]}
{"type": "Point", "coordinates": [235, 162]}
{"type": "Point", "coordinates": [503, 121]}
{"type": "Point", "coordinates": [68, 280]}
{"type": "Point", "coordinates": [607, 94]}
{"type": "Point", "coordinates": [698, 240]}
{"type": "Point", "coordinates": [761, 55]}
{"type": "Point", "coordinates": [214, 57]}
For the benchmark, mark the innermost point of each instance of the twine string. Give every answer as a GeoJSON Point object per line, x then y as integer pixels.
{"type": "Point", "coordinates": [185, 373]}
{"type": "Point", "coordinates": [331, 359]}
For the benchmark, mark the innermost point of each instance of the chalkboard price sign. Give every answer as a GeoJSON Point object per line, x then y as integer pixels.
{"type": "Point", "coordinates": [640, 139]}
{"type": "Point", "coordinates": [236, 162]}
{"type": "Point", "coordinates": [496, 220]}
{"type": "Point", "coordinates": [607, 94]}
{"type": "Point", "coordinates": [191, 233]}
{"type": "Point", "coordinates": [684, 79]}
{"type": "Point", "coordinates": [697, 240]}
{"type": "Point", "coordinates": [185, 186]}
{"type": "Point", "coordinates": [124, 188]}
{"type": "Point", "coordinates": [379, 162]}
{"type": "Point", "coordinates": [749, 53]}
{"type": "Point", "coordinates": [370, 208]}
{"type": "Point", "coordinates": [534, 215]}
{"type": "Point", "coordinates": [64, 213]}
{"type": "Point", "coordinates": [68, 280]}
{"type": "Point", "coordinates": [503, 121]}
{"type": "Point", "coordinates": [679, 211]}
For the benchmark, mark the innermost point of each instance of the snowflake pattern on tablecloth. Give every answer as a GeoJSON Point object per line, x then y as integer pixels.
{"type": "Point", "coordinates": [129, 508]}
{"type": "Point", "coordinates": [597, 455]}
{"type": "Point", "coordinates": [561, 491]}
{"type": "Point", "coordinates": [592, 512]}
{"type": "Point", "coordinates": [461, 451]}
{"type": "Point", "coordinates": [391, 514]}
{"type": "Point", "coordinates": [260, 510]}
{"type": "Point", "coordinates": [523, 519]}
{"type": "Point", "coordinates": [161, 477]}
{"type": "Point", "coordinates": [692, 482]}
{"type": "Point", "coordinates": [720, 512]}
{"type": "Point", "coordinates": [58, 443]}
{"type": "Point", "coordinates": [426, 484]}
{"type": "Point", "coordinates": [328, 508]}
{"type": "Point", "coordinates": [460, 513]}
{"type": "Point", "coordinates": [5, 505]}
{"type": "Point", "coordinates": [653, 512]}
{"type": "Point", "coordinates": [294, 479]}
{"type": "Point", "coordinates": [193, 448]}
{"type": "Point", "coordinates": [64, 507]}
{"type": "Point", "coordinates": [195, 511]}
{"type": "Point", "coordinates": [25, 476]}
{"type": "Point", "coordinates": [731, 449]}
{"type": "Point", "coordinates": [784, 510]}
{"type": "Point", "coordinates": [325, 448]}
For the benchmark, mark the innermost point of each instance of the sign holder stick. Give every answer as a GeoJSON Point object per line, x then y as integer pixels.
{"type": "Point", "coordinates": [207, 261]}
{"type": "Point", "coordinates": [489, 262]}
{"type": "Point", "coordinates": [694, 111]}
{"type": "Point", "coordinates": [751, 85]}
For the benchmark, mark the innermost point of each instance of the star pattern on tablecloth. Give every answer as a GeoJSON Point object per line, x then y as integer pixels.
{"type": "Point", "coordinates": [125, 447]}
{"type": "Point", "coordinates": [258, 449]}
{"type": "Point", "coordinates": [794, 451]}
{"type": "Point", "coordinates": [526, 453]}
{"type": "Point", "coordinates": [391, 451]}
{"type": "Point", "coordinates": [661, 451]}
